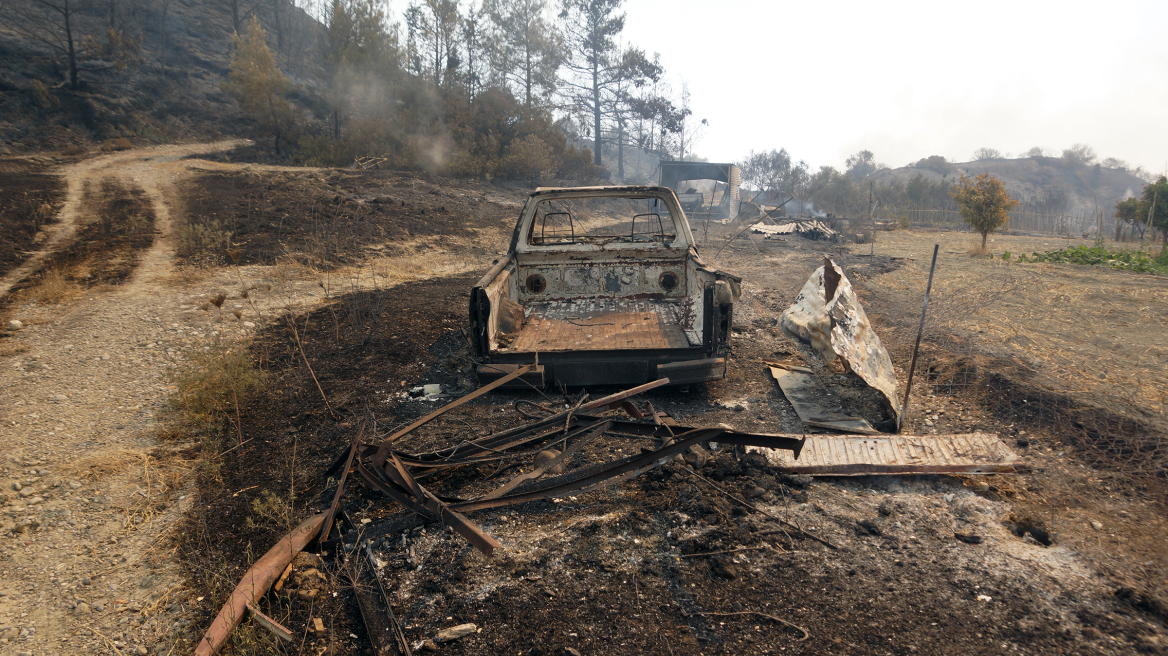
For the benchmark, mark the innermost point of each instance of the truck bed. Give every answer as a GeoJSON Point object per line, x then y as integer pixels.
{"type": "Point", "coordinates": [602, 324]}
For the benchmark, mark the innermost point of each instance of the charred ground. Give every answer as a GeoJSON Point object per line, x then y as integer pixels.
{"type": "Point", "coordinates": [611, 571]}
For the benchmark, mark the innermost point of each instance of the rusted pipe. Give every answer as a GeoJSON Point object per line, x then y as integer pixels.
{"type": "Point", "coordinates": [255, 584]}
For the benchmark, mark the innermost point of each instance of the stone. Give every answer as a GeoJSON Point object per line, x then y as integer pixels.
{"type": "Point", "coordinates": [73, 485]}
{"type": "Point", "coordinates": [15, 324]}
{"type": "Point", "coordinates": [26, 492]}
{"type": "Point", "coordinates": [1096, 525]}
{"type": "Point", "coordinates": [60, 397]}
{"type": "Point", "coordinates": [697, 456]}
{"type": "Point", "coordinates": [724, 568]}
{"type": "Point", "coordinates": [16, 486]}
{"type": "Point", "coordinates": [429, 645]}
{"type": "Point", "coordinates": [981, 487]}
{"type": "Point", "coordinates": [455, 632]}
{"type": "Point", "coordinates": [81, 609]}
{"type": "Point", "coordinates": [35, 501]}
{"type": "Point", "coordinates": [86, 581]}
{"type": "Point", "coordinates": [547, 455]}
{"type": "Point", "coordinates": [886, 507]}
{"type": "Point", "coordinates": [248, 324]}
{"type": "Point", "coordinates": [755, 492]}
{"type": "Point", "coordinates": [141, 650]}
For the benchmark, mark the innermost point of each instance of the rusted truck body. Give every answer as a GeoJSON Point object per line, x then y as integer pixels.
{"type": "Point", "coordinates": [603, 286]}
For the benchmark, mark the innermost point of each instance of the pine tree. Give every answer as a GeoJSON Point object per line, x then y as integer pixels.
{"type": "Point", "coordinates": [258, 85]}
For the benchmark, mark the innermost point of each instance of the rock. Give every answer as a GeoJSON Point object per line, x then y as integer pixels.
{"type": "Point", "coordinates": [429, 645]}
{"type": "Point", "coordinates": [455, 632]}
{"type": "Point", "coordinates": [73, 485]}
{"type": "Point", "coordinates": [99, 608]}
{"type": "Point", "coordinates": [86, 581]}
{"type": "Point", "coordinates": [1091, 633]}
{"type": "Point", "coordinates": [981, 487]}
{"type": "Point", "coordinates": [16, 486]}
{"type": "Point", "coordinates": [60, 397]}
{"type": "Point", "coordinates": [14, 324]}
{"type": "Point", "coordinates": [723, 567]}
{"type": "Point", "coordinates": [547, 455]}
{"type": "Point", "coordinates": [968, 538]}
{"type": "Point", "coordinates": [140, 650]}
{"type": "Point", "coordinates": [929, 422]}
{"type": "Point", "coordinates": [755, 492]}
{"type": "Point", "coordinates": [1023, 442]}
{"type": "Point", "coordinates": [307, 595]}
{"type": "Point", "coordinates": [799, 481]}
{"type": "Point", "coordinates": [697, 456]}
{"type": "Point", "coordinates": [248, 324]}
{"type": "Point", "coordinates": [886, 507]}
{"type": "Point", "coordinates": [870, 526]}
{"type": "Point", "coordinates": [26, 492]}
{"type": "Point", "coordinates": [81, 609]}
{"type": "Point", "coordinates": [1096, 525]}
{"type": "Point", "coordinates": [568, 651]}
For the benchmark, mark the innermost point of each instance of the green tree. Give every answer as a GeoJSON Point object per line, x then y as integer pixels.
{"type": "Point", "coordinates": [591, 28]}
{"type": "Point", "coordinates": [525, 49]}
{"type": "Point", "coordinates": [1128, 211]}
{"type": "Point", "coordinates": [434, 29]}
{"type": "Point", "coordinates": [1153, 206]}
{"type": "Point", "coordinates": [258, 85]}
{"type": "Point", "coordinates": [862, 164]}
{"type": "Point", "coordinates": [983, 202]}
{"type": "Point", "coordinates": [359, 56]}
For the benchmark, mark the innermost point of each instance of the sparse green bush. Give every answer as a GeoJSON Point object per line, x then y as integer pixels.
{"type": "Point", "coordinates": [202, 237]}
{"type": "Point", "coordinates": [1137, 261]}
{"type": "Point", "coordinates": [211, 383]}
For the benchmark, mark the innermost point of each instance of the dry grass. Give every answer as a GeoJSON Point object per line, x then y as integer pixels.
{"type": "Point", "coordinates": [51, 288]}
{"type": "Point", "coordinates": [97, 466]}
{"type": "Point", "coordinates": [10, 348]}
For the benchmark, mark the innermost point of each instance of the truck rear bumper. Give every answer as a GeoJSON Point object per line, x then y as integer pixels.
{"type": "Point", "coordinates": [581, 370]}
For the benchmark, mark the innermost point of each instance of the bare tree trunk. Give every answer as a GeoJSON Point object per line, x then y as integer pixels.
{"type": "Point", "coordinates": [596, 112]}
{"type": "Point", "coordinates": [73, 84]}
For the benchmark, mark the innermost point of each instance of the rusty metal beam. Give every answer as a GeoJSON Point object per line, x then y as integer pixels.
{"type": "Point", "coordinates": [255, 584]}
{"type": "Point", "coordinates": [383, 450]}
{"type": "Point", "coordinates": [612, 473]}
{"type": "Point", "coordinates": [327, 524]}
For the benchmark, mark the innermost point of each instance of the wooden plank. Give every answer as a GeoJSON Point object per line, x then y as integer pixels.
{"type": "Point", "coordinates": [851, 455]}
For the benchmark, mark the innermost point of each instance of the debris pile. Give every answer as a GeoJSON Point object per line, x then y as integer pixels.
{"type": "Point", "coordinates": [827, 315]}
{"type": "Point", "coordinates": [811, 229]}
{"type": "Point", "coordinates": [554, 446]}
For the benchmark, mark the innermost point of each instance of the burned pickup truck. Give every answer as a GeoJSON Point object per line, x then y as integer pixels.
{"type": "Point", "coordinates": [603, 286]}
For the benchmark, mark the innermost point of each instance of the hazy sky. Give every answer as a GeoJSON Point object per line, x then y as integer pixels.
{"type": "Point", "coordinates": [911, 79]}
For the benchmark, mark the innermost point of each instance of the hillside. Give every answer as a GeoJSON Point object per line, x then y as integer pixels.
{"type": "Point", "coordinates": [1044, 184]}
{"type": "Point", "coordinates": [146, 71]}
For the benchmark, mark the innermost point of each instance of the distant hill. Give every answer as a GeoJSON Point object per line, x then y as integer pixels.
{"type": "Point", "coordinates": [149, 70]}
{"type": "Point", "coordinates": [1045, 184]}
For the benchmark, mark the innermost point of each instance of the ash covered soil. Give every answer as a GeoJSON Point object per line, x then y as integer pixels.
{"type": "Point", "coordinates": [372, 293]}
{"type": "Point", "coordinates": [621, 570]}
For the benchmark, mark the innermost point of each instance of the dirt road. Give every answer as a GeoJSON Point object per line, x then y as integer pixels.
{"type": "Point", "coordinates": [89, 494]}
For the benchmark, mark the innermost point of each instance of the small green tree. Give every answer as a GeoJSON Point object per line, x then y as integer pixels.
{"type": "Point", "coordinates": [1153, 207]}
{"type": "Point", "coordinates": [983, 203]}
{"type": "Point", "coordinates": [1128, 211]}
{"type": "Point", "coordinates": [258, 85]}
